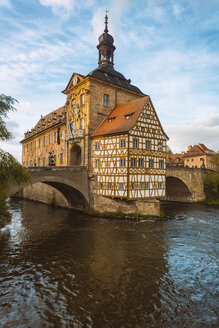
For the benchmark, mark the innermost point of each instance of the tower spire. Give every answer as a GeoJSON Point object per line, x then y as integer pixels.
{"type": "Point", "coordinates": [106, 47]}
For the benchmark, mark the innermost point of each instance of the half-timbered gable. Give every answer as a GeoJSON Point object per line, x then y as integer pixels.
{"type": "Point", "coordinates": [129, 152]}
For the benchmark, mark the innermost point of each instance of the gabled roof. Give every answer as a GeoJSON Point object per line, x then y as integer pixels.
{"type": "Point", "coordinates": [68, 85]}
{"type": "Point", "coordinates": [116, 121]}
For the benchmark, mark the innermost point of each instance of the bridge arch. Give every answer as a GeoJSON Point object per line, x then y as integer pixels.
{"type": "Point", "coordinates": [177, 190]}
{"type": "Point", "coordinates": [75, 196]}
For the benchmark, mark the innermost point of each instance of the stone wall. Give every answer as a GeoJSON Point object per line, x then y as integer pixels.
{"type": "Point", "coordinates": [146, 207]}
{"type": "Point", "coordinates": [43, 193]}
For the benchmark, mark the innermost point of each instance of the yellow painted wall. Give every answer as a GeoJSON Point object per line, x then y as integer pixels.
{"type": "Point", "coordinates": [34, 149]}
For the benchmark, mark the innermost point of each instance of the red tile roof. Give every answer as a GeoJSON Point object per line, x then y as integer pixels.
{"type": "Point", "coordinates": [198, 150]}
{"type": "Point", "coordinates": [116, 121]}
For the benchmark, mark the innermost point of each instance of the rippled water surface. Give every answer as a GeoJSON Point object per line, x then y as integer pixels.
{"type": "Point", "coordinates": [59, 268]}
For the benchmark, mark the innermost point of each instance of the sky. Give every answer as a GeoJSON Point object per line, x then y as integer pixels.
{"type": "Point", "coordinates": [168, 48]}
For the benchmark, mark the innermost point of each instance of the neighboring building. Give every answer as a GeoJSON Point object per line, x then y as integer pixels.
{"type": "Point", "coordinates": [199, 156]}
{"type": "Point", "coordinates": [108, 125]}
{"type": "Point", "coordinates": [174, 159]}
{"type": "Point", "coordinates": [48, 136]}
{"type": "Point", "coordinates": [129, 152]}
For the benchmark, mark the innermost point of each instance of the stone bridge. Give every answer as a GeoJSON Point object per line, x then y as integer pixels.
{"type": "Point", "coordinates": [72, 182]}
{"type": "Point", "coordinates": [185, 184]}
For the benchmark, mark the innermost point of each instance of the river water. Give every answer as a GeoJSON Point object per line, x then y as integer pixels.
{"type": "Point", "coordinates": [60, 268]}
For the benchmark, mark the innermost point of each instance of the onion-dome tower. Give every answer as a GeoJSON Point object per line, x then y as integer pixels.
{"type": "Point", "coordinates": [106, 47]}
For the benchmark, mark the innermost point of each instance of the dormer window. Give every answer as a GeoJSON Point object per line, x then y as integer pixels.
{"type": "Point", "coordinates": [111, 119]}
{"type": "Point", "coordinates": [128, 116]}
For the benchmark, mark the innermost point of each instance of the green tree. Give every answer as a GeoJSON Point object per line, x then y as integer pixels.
{"type": "Point", "coordinates": [10, 170]}
{"type": "Point", "coordinates": [215, 160]}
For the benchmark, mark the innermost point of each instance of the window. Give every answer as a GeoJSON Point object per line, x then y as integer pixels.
{"type": "Point", "coordinates": [160, 185]}
{"type": "Point", "coordinates": [187, 160]}
{"type": "Point", "coordinates": [73, 103]}
{"type": "Point", "coordinates": [160, 146]}
{"type": "Point", "coordinates": [109, 185]}
{"type": "Point", "coordinates": [133, 162]}
{"type": "Point", "coordinates": [38, 161]}
{"type": "Point", "coordinates": [44, 141]}
{"type": "Point", "coordinates": [31, 146]}
{"type": "Point", "coordinates": [133, 185]}
{"type": "Point", "coordinates": [101, 186]}
{"type": "Point", "coordinates": [55, 136]}
{"type": "Point", "coordinates": [24, 148]}
{"type": "Point", "coordinates": [153, 131]}
{"type": "Point", "coordinates": [44, 161]}
{"type": "Point", "coordinates": [35, 144]}
{"type": "Point", "coordinates": [201, 159]}
{"type": "Point", "coordinates": [105, 100]}
{"type": "Point", "coordinates": [82, 99]}
{"type": "Point", "coordinates": [82, 123]}
{"type": "Point", "coordinates": [30, 162]}
{"type": "Point", "coordinates": [192, 160]}
{"type": "Point", "coordinates": [135, 143]}
{"type": "Point", "coordinates": [34, 163]}
{"type": "Point", "coordinates": [148, 116]}
{"type": "Point", "coordinates": [27, 147]}
{"type": "Point", "coordinates": [148, 145]}
{"type": "Point", "coordinates": [142, 185]}
{"type": "Point", "coordinates": [141, 162]}
{"type": "Point", "coordinates": [61, 158]}
{"type": "Point", "coordinates": [97, 162]}
{"type": "Point", "coordinates": [161, 164]}
{"type": "Point", "coordinates": [26, 163]}
{"type": "Point", "coordinates": [146, 185]}
{"type": "Point", "coordinates": [142, 129]}
{"type": "Point", "coordinates": [50, 139]}
{"type": "Point", "coordinates": [151, 163]}
{"type": "Point", "coordinates": [122, 143]}
{"type": "Point", "coordinates": [121, 186]}
{"type": "Point", "coordinates": [55, 159]}
{"type": "Point", "coordinates": [122, 162]}
{"type": "Point", "coordinates": [39, 143]}
{"type": "Point", "coordinates": [97, 145]}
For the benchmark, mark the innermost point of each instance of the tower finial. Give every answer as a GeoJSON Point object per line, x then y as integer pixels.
{"type": "Point", "coordinates": [106, 22]}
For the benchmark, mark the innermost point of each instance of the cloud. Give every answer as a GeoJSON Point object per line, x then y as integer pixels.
{"type": "Point", "coordinates": [5, 3]}
{"type": "Point", "coordinates": [202, 130]}
{"type": "Point", "coordinates": [59, 4]}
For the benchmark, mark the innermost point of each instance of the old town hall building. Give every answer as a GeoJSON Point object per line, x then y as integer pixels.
{"type": "Point", "coordinates": [108, 125]}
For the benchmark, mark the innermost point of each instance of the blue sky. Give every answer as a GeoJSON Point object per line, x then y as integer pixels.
{"type": "Point", "coordinates": [168, 48]}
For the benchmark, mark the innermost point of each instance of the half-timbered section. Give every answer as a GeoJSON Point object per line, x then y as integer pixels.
{"type": "Point", "coordinates": [129, 152]}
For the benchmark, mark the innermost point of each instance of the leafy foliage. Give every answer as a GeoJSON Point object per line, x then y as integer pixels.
{"type": "Point", "coordinates": [215, 160]}
{"type": "Point", "coordinates": [211, 186]}
{"type": "Point", "coordinates": [10, 170]}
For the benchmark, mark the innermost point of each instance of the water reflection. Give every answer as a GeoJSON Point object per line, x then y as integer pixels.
{"type": "Point", "coordinates": [60, 268]}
